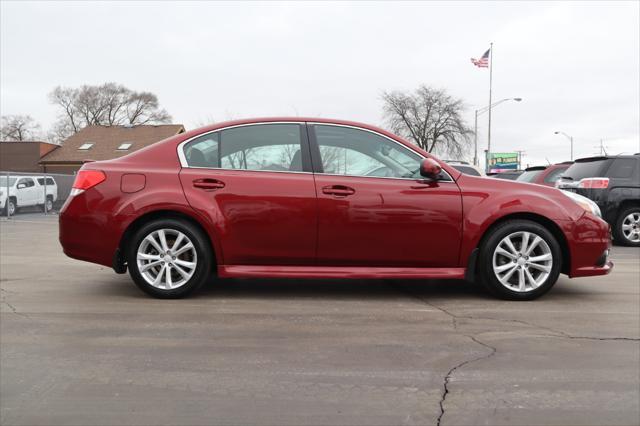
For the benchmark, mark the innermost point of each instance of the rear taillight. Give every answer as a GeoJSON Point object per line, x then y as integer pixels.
{"type": "Point", "coordinates": [86, 179]}
{"type": "Point", "coordinates": [594, 183]}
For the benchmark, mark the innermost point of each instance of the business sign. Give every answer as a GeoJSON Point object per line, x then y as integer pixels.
{"type": "Point", "coordinates": [502, 161]}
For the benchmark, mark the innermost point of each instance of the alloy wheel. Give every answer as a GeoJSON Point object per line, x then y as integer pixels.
{"type": "Point", "coordinates": [631, 227]}
{"type": "Point", "coordinates": [166, 259]}
{"type": "Point", "coordinates": [522, 261]}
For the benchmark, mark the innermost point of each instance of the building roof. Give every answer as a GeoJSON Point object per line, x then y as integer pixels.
{"type": "Point", "coordinates": [102, 142]}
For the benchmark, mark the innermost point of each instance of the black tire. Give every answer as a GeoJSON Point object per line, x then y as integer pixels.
{"type": "Point", "coordinates": [6, 207]}
{"type": "Point", "coordinates": [204, 266]}
{"type": "Point", "coordinates": [44, 206]}
{"type": "Point", "coordinates": [618, 234]}
{"type": "Point", "coordinates": [485, 260]}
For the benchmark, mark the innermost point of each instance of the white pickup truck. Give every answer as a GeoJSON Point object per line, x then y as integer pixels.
{"type": "Point", "coordinates": [24, 191]}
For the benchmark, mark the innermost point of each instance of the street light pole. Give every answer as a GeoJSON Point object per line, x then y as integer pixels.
{"type": "Point", "coordinates": [475, 139]}
{"type": "Point", "coordinates": [568, 137]}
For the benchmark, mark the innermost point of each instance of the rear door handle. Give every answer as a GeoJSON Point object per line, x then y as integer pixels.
{"type": "Point", "coordinates": [208, 184]}
{"type": "Point", "coordinates": [338, 190]}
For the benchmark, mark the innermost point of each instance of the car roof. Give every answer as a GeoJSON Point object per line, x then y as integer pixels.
{"type": "Point", "coordinates": [606, 157]}
{"type": "Point", "coordinates": [533, 168]}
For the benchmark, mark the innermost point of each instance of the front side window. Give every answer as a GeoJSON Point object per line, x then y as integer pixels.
{"type": "Point", "coordinates": [27, 182]}
{"type": "Point", "coordinates": [355, 152]}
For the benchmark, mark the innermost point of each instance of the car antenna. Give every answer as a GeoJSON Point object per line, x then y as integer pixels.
{"type": "Point", "coordinates": [549, 162]}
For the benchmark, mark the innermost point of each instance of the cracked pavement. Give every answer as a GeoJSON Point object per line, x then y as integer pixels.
{"type": "Point", "coordinates": [81, 345]}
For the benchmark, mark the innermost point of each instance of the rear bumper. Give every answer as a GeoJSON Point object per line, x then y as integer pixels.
{"type": "Point", "coordinates": [87, 232]}
{"type": "Point", "coordinates": [589, 243]}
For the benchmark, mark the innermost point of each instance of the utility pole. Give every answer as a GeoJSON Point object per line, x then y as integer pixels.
{"type": "Point", "coordinates": [601, 148]}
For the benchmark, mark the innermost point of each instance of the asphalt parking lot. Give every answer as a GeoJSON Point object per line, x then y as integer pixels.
{"type": "Point", "coordinates": [81, 345]}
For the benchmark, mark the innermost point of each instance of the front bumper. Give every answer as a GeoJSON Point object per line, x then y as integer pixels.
{"type": "Point", "coordinates": [589, 241]}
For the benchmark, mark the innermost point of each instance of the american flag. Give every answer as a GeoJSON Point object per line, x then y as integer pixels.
{"type": "Point", "coordinates": [482, 62]}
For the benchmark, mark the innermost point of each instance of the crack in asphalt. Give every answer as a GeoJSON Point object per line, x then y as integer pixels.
{"type": "Point", "coordinates": [447, 378]}
{"type": "Point", "coordinates": [454, 321]}
{"type": "Point", "coordinates": [11, 307]}
{"type": "Point", "coordinates": [556, 333]}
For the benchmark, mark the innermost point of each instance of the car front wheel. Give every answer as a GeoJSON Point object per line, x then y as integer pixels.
{"type": "Point", "coordinates": [169, 258]}
{"type": "Point", "coordinates": [520, 260]}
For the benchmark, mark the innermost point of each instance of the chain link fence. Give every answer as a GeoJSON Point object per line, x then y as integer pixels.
{"type": "Point", "coordinates": [43, 193]}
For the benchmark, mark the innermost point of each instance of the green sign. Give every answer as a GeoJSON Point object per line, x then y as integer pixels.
{"type": "Point", "coordinates": [502, 161]}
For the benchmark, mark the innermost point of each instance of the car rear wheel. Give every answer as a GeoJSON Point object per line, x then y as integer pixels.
{"type": "Point", "coordinates": [169, 258]}
{"type": "Point", "coordinates": [627, 229]}
{"type": "Point", "coordinates": [520, 260]}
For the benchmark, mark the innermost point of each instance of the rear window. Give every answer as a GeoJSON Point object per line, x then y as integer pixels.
{"type": "Point", "coordinates": [554, 175]}
{"type": "Point", "coordinates": [581, 170]}
{"type": "Point", "coordinates": [529, 176]}
{"type": "Point", "coordinates": [466, 170]}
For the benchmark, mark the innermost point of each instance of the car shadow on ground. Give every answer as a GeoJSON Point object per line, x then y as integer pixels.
{"type": "Point", "coordinates": [348, 289]}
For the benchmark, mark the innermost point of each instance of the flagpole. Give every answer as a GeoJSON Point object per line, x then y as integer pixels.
{"type": "Point", "coordinates": [490, 87]}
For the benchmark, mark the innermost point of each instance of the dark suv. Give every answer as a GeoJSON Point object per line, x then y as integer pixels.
{"type": "Point", "coordinates": [613, 182]}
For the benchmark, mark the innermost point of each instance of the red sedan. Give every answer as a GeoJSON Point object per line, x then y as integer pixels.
{"type": "Point", "coordinates": [316, 198]}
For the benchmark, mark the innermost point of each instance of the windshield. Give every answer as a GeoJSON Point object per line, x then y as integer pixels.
{"type": "Point", "coordinates": [586, 169]}
{"type": "Point", "coordinates": [529, 176]}
{"type": "Point", "coordinates": [3, 181]}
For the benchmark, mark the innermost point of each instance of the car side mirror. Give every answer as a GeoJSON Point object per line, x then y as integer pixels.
{"type": "Point", "coordinates": [21, 185]}
{"type": "Point", "coordinates": [430, 168]}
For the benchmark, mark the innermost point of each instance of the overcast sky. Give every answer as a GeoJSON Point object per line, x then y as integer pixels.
{"type": "Point", "coordinates": [576, 65]}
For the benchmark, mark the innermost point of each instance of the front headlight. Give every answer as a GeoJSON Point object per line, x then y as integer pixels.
{"type": "Point", "coordinates": [584, 202]}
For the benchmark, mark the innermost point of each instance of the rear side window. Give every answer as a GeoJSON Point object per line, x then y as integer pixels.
{"type": "Point", "coordinates": [203, 151]}
{"type": "Point", "coordinates": [274, 147]}
{"type": "Point", "coordinates": [586, 169]}
{"type": "Point", "coordinates": [529, 176]}
{"type": "Point", "coordinates": [49, 181]}
{"type": "Point", "coordinates": [622, 168]}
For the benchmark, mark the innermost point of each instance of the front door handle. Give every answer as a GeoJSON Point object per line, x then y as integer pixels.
{"type": "Point", "coordinates": [338, 190]}
{"type": "Point", "coordinates": [208, 184]}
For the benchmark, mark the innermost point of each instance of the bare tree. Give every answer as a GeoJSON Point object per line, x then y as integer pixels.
{"type": "Point", "coordinates": [430, 118]}
{"type": "Point", "coordinates": [107, 104]}
{"type": "Point", "coordinates": [19, 128]}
